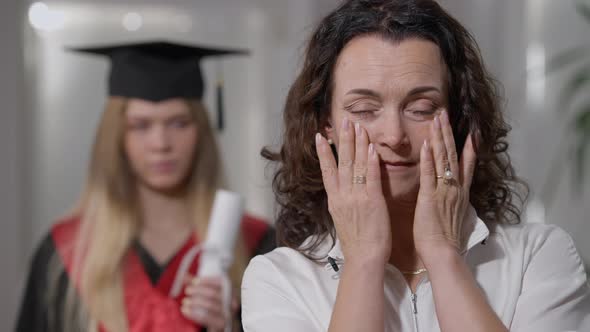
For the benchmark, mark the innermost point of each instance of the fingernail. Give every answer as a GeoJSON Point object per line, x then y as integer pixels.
{"type": "Point", "coordinates": [371, 149]}
{"type": "Point", "coordinates": [345, 124]}
{"type": "Point", "coordinates": [436, 122]}
{"type": "Point", "coordinates": [445, 116]}
{"type": "Point", "coordinates": [318, 138]}
{"type": "Point", "coordinates": [425, 145]}
{"type": "Point", "coordinates": [357, 129]}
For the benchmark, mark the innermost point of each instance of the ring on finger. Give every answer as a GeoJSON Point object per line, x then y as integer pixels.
{"type": "Point", "coordinates": [345, 163]}
{"type": "Point", "coordinates": [359, 179]}
{"type": "Point", "coordinates": [447, 176]}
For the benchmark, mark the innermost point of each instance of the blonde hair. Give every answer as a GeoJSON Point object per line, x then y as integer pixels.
{"type": "Point", "coordinates": [110, 220]}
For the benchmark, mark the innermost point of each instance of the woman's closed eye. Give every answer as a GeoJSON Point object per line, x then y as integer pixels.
{"type": "Point", "coordinates": [362, 114]}
{"type": "Point", "coordinates": [361, 111]}
{"type": "Point", "coordinates": [418, 112]}
{"type": "Point", "coordinates": [421, 110]}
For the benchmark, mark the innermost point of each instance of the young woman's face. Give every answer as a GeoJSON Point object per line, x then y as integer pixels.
{"type": "Point", "coordinates": [160, 141]}
{"type": "Point", "coordinates": [393, 90]}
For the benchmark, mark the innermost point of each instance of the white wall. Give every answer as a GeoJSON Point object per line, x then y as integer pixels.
{"type": "Point", "coordinates": [12, 141]}
{"type": "Point", "coordinates": [514, 35]}
{"type": "Point", "coordinates": [554, 27]}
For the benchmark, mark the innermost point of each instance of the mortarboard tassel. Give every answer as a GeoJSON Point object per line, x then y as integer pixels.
{"type": "Point", "coordinates": [220, 120]}
{"type": "Point", "coordinates": [219, 95]}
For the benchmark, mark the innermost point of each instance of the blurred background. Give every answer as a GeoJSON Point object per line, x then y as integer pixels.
{"type": "Point", "coordinates": [51, 99]}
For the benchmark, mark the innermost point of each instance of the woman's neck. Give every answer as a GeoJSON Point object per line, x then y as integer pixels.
{"type": "Point", "coordinates": [403, 251]}
{"type": "Point", "coordinates": [165, 222]}
{"type": "Point", "coordinates": [160, 211]}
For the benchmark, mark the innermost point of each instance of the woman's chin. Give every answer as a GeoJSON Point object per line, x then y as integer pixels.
{"type": "Point", "coordinates": [165, 185]}
{"type": "Point", "coordinates": [401, 192]}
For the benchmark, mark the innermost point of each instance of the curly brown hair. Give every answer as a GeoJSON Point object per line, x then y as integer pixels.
{"type": "Point", "coordinates": [474, 104]}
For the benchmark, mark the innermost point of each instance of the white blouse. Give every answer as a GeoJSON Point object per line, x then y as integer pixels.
{"type": "Point", "coordinates": [532, 276]}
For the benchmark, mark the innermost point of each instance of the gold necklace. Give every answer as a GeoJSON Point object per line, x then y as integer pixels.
{"type": "Point", "coordinates": [416, 272]}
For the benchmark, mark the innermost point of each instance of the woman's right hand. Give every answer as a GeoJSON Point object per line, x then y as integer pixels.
{"type": "Point", "coordinates": [358, 209]}
{"type": "Point", "coordinates": [203, 303]}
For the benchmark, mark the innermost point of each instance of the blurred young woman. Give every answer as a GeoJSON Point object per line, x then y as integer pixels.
{"type": "Point", "coordinates": [126, 258]}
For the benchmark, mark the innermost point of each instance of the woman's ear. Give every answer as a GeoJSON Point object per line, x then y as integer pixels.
{"type": "Point", "coordinates": [329, 129]}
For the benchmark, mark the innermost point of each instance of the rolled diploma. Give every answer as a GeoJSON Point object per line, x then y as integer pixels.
{"type": "Point", "coordinates": [217, 255]}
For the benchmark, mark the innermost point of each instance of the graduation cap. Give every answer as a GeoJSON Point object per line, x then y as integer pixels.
{"type": "Point", "coordinates": [159, 70]}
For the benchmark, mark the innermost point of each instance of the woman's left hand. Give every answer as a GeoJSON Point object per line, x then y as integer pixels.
{"type": "Point", "coordinates": [204, 304]}
{"type": "Point", "coordinates": [443, 198]}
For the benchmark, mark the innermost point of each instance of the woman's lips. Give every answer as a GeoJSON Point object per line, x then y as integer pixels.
{"type": "Point", "coordinates": [164, 166]}
{"type": "Point", "coordinates": [397, 165]}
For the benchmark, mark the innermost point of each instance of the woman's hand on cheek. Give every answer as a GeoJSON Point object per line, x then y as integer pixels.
{"type": "Point", "coordinates": [443, 198]}
{"type": "Point", "coordinates": [355, 196]}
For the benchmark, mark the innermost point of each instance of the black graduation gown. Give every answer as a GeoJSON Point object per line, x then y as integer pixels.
{"type": "Point", "coordinates": [39, 313]}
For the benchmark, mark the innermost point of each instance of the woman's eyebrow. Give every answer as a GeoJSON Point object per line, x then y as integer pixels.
{"type": "Point", "coordinates": [137, 117]}
{"type": "Point", "coordinates": [423, 89]}
{"type": "Point", "coordinates": [364, 92]}
{"type": "Point", "coordinates": [374, 94]}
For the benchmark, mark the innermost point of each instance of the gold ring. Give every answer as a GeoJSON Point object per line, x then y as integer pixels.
{"type": "Point", "coordinates": [359, 179]}
{"type": "Point", "coordinates": [345, 163]}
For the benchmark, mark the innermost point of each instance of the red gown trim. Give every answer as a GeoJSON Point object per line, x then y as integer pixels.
{"type": "Point", "coordinates": [149, 307]}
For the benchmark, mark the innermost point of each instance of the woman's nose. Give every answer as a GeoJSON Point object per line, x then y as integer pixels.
{"type": "Point", "coordinates": [159, 138]}
{"type": "Point", "coordinates": [392, 130]}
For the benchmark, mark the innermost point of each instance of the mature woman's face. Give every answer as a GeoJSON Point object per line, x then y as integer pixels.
{"type": "Point", "coordinates": [393, 90]}
{"type": "Point", "coordinates": [160, 140]}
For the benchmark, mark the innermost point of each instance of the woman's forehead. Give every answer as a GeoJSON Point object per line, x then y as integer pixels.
{"type": "Point", "coordinates": [373, 62]}
{"type": "Point", "coordinates": [163, 109]}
